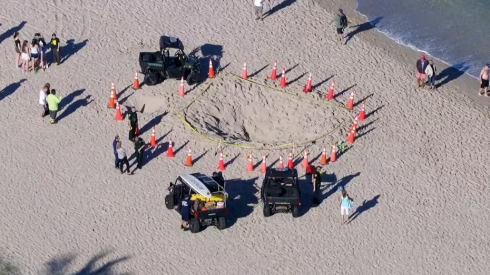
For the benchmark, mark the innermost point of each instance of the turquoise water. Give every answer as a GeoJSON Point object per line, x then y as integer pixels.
{"type": "Point", "coordinates": [453, 31]}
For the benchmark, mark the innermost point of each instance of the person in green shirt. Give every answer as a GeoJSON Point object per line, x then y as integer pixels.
{"type": "Point", "coordinates": [53, 100]}
{"type": "Point", "coordinates": [139, 147]}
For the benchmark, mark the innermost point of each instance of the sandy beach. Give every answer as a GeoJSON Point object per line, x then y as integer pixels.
{"type": "Point", "coordinates": [416, 171]}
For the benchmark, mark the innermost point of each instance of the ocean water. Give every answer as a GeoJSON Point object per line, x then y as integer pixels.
{"type": "Point", "coordinates": [453, 31]}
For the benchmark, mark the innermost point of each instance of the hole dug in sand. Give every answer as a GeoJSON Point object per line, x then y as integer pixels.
{"type": "Point", "coordinates": [246, 113]}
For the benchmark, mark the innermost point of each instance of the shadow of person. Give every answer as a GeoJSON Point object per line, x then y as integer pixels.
{"type": "Point", "coordinates": [278, 7]}
{"type": "Point", "coordinates": [363, 27]}
{"type": "Point", "coordinates": [10, 89]}
{"type": "Point", "coordinates": [341, 183]}
{"type": "Point", "coordinates": [83, 102]}
{"type": "Point", "coordinates": [62, 265]}
{"type": "Point", "coordinates": [10, 32]}
{"type": "Point", "coordinates": [451, 73]}
{"type": "Point", "coordinates": [71, 48]}
{"type": "Point", "coordinates": [365, 206]}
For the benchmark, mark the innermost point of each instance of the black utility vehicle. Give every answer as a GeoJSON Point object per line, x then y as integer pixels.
{"type": "Point", "coordinates": [170, 62]}
{"type": "Point", "coordinates": [280, 191]}
{"type": "Point", "coordinates": [207, 196]}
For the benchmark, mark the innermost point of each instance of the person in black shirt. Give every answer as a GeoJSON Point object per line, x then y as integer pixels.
{"type": "Point", "coordinates": [18, 48]}
{"type": "Point", "coordinates": [133, 123]}
{"type": "Point", "coordinates": [317, 182]}
{"type": "Point", "coordinates": [185, 212]}
{"type": "Point", "coordinates": [139, 147]}
{"type": "Point", "coordinates": [55, 48]}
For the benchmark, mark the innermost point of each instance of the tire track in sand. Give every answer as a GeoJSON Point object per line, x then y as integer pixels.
{"type": "Point", "coordinates": [58, 22]}
{"type": "Point", "coordinates": [86, 21]}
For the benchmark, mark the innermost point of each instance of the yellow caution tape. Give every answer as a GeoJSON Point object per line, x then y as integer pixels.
{"type": "Point", "coordinates": [283, 91]}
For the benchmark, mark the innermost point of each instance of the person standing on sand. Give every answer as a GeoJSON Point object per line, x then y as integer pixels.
{"type": "Point", "coordinates": [25, 56]}
{"type": "Point", "coordinates": [114, 148]}
{"type": "Point", "coordinates": [430, 71]}
{"type": "Point", "coordinates": [345, 205]}
{"type": "Point", "coordinates": [55, 48]}
{"type": "Point", "coordinates": [123, 158]}
{"type": "Point", "coordinates": [421, 65]}
{"type": "Point", "coordinates": [259, 9]}
{"type": "Point", "coordinates": [43, 94]}
{"type": "Point", "coordinates": [317, 182]}
{"type": "Point", "coordinates": [185, 212]}
{"type": "Point", "coordinates": [18, 49]}
{"type": "Point", "coordinates": [139, 147]}
{"type": "Point", "coordinates": [53, 102]}
{"type": "Point", "coordinates": [484, 80]}
{"type": "Point", "coordinates": [340, 24]}
{"type": "Point", "coordinates": [133, 124]}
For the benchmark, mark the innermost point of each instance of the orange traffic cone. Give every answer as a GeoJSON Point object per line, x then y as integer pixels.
{"type": "Point", "coordinates": [244, 70]}
{"type": "Point", "coordinates": [305, 162]}
{"type": "Point", "coordinates": [211, 69]}
{"type": "Point", "coordinates": [352, 135]}
{"type": "Point", "coordinates": [354, 123]}
{"type": "Point", "coordinates": [221, 163]}
{"type": "Point", "coordinates": [281, 164]}
{"type": "Point", "coordinates": [308, 86]}
{"type": "Point", "coordinates": [136, 83]}
{"type": "Point", "coordinates": [170, 150]}
{"type": "Point", "coordinates": [112, 100]}
{"type": "Point", "coordinates": [113, 89]}
{"type": "Point", "coordinates": [333, 155]}
{"type": "Point", "coordinates": [362, 114]}
{"type": "Point", "coordinates": [118, 115]}
{"type": "Point", "coordinates": [188, 162]}
{"type": "Point", "coordinates": [290, 160]}
{"type": "Point", "coordinates": [330, 91]}
{"type": "Point", "coordinates": [283, 78]}
{"type": "Point", "coordinates": [181, 88]}
{"type": "Point", "coordinates": [264, 165]}
{"type": "Point", "coordinates": [250, 165]}
{"type": "Point", "coordinates": [274, 72]}
{"type": "Point", "coordinates": [323, 159]}
{"type": "Point", "coordinates": [153, 141]}
{"type": "Point", "coordinates": [350, 103]}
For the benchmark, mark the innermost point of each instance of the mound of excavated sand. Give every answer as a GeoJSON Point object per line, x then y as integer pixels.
{"type": "Point", "coordinates": [242, 112]}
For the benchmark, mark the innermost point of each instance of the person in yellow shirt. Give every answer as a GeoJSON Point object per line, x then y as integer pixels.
{"type": "Point", "coordinates": [53, 100]}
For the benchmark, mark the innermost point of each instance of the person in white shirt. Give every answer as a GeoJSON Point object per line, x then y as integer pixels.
{"type": "Point", "coordinates": [42, 99]}
{"type": "Point", "coordinates": [430, 72]}
{"type": "Point", "coordinates": [259, 9]}
{"type": "Point", "coordinates": [123, 158]}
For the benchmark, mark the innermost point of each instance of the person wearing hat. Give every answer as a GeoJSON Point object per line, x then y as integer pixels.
{"type": "Point", "coordinates": [421, 65]}
{"type": "Point", "coordinates": [317, 182]}
{"type": "Point", "coordinates": [55, 48]}
{"type": "Point", "coordinates": [484, 80]}
{"type": "Point", "coordinates": [185, 212]}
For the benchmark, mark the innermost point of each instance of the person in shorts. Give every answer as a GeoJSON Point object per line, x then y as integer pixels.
{"type": "Point", "coordinates": [340, 24]}
{"type": "Point", "coordinates": [259, 9]}
{"type": "Point", "coordinates": [185, 212]}
{"type": "Point", "coordinates": [484, 80]}
{"type": "Point", "coordinates": [345, 205]}
{"type": "Point", "coordinates": [43, 94]}
{"type": "Point", "coordinates": [421, 65]}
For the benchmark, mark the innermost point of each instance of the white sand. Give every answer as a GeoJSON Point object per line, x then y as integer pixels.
{"type": "Point", "coordinates": [422, 156]}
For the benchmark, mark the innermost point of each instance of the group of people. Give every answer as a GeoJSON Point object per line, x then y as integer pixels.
{"type": "Point", "coordinates": [120, 154]}
{"type": "Point", "coordinates": [48, 102]}
{"type": "Point", "coordinates": [32, 55]}
{"type": "Point", "coordinates": [426, 73]}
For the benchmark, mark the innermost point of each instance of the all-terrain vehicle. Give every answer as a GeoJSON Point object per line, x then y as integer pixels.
{"type": "Point", "coordinates": [207, 196]}
{"type": "Point", "coordinates": [170, 62]}
{"type": "Point", "coordinates": [280, 191]}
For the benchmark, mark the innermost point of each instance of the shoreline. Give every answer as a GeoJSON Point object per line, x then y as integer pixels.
{"type": "Point", "coordinates": [404, 54]}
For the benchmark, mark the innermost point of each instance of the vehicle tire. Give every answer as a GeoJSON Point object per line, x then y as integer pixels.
{"type": "Point", "coordinates": [192, 78]}
{"type": "Point", "coordinates": [169, 201]}
{"type": "Point", "coordinates": [194, 225]}
{"type": "Point", "coordinates": [267, 210]}
{"type": "Point", "coordinates": [295, 210]}
{"type": "Point", "coordinates": [151, 79]}
{"type": "Point", "coordinates": [221, 223]}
